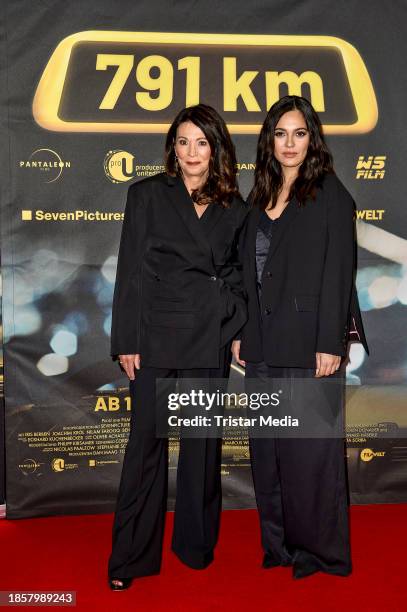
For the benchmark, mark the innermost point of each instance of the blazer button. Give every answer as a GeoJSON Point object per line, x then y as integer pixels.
{"type": "Point", "coordinates": [213, 278]}
{"type": "Point", "coordinates": [267, 310]}
{"type": "Point", "coordinates": [269, 274]}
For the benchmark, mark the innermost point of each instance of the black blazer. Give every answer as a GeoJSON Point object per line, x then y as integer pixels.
{"type": "Point", "coordinates": [178, 296]}
{"type": "Point", "coordinates": [308, 302]}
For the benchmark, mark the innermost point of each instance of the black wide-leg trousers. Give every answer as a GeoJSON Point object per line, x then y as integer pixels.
{"type": "Point", "coordinates": [301, 491]}
{"type": "Point", "coordinates": [142, 498]}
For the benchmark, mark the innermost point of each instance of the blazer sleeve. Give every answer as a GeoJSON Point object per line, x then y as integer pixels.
{"type": "Point", "coordinates": [240, 249]}
{"type": "Point", "coordinates": [234, 308]}
{"type": "Point", "coordinates": [337, 277]}
{"type": "Point", "coordinates": [231, 272]}
{"type": "Point", "coordinates": [126, 311]}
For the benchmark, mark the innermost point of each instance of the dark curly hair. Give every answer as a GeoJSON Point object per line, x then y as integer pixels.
{"type": "Point", "coordinates": [268, 177]}
{"type": "Point", "coordinates": [221, 184]}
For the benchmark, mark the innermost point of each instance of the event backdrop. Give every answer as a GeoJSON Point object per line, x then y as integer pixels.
{"type": "Point", "coordinates": [88, 91]}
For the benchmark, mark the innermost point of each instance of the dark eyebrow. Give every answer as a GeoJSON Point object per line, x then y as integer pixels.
{"type": "Point", "coordinates": [200, 138]}
{"type": "Point", "coordinates": [284, 130]}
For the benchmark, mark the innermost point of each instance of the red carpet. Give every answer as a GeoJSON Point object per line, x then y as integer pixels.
{"type": "Point", "coordinates": [70, 553]}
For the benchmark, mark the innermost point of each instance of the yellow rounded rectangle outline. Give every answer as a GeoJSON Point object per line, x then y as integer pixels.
{"type": "Point", "coordinates": [49, 91]}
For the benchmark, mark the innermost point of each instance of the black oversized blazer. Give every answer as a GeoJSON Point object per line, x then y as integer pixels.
{"type": "Point", "coordinates": [308, 301]}
{"type": "Point", "coordinates": [178, 296]}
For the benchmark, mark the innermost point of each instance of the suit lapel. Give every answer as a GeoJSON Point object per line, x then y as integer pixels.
{"type": "Point", "coordinates": [183, 204]}
{"type": "Point", "coordinates": [210, 218]}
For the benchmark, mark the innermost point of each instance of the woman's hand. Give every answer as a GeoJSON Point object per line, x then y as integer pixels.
{"type": "Point", "coordinates": [326, 364]}
{"type": "Point", "coordinates": [129, 363]}
{"type": "Point", "coordinates": [236, 352]}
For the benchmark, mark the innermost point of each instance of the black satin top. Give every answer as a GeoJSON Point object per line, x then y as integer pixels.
{"type": "Point", "coordinates": [263, 239]}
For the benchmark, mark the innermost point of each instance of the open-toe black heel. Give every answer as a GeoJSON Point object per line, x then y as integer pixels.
{"type": "Point", "coordinates": [120, 584]}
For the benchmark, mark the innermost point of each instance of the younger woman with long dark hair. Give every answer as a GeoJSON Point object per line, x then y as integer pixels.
{"type": "Point", "coordinates": [298, 254]}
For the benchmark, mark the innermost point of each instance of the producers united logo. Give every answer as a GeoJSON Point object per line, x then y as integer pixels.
{"type": "Point", "coordinates": [59, 465]}
{"type": "Point", "coordinates": [120, 167]}
{"type": "Point", "coordinates": [116, 81]}
{"type": "Point", "coordinates": [46, 163]}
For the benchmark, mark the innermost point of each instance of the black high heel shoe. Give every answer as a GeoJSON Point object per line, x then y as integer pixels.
{"type": "Point", "coordinates": [120, 584]}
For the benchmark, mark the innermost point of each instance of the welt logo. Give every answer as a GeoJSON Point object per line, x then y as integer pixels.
{"type": "Point", "coordinates": [114, 81]}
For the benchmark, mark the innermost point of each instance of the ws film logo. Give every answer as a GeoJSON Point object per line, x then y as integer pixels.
{"type": "Point", "coordinates": [367, 454]}
{"type": "Point", "coordinates": [371, 167]}
{"type": "Point", "coordinates": [107, 81]}
{"type": "Point", "coordinates": [47, 163]}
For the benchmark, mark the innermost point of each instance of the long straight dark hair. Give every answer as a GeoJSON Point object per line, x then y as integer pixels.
{"type": "Point", "coordinates": [221, 184]}
{"type": "Point", "coordinates": [268, 176]}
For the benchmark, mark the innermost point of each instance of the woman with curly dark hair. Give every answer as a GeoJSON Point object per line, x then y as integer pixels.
{"type": "Point", "coordinates": [177, 305]}
{"type": "Point", "coordinates": [298, 267]}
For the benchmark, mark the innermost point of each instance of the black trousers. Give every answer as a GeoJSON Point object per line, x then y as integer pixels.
{"type": "Point", "coordinates": [142, 498]}
{"type": "Point", "coordinates": [301, 491]}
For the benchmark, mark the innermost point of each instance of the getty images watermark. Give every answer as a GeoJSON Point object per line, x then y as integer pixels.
{"type": "Point", "coordinates": [212, 401]}
{"type": "Point", "coordinates": [196, 408]}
